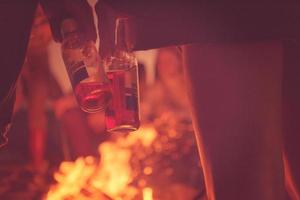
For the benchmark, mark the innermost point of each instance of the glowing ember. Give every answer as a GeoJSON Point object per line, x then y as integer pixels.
{"type": "Point", "coordinates": [147, 194]}
{"type": "Point", "coordinates": [114, 173]}
{"type": "Point", "coordinates": [110, 178]}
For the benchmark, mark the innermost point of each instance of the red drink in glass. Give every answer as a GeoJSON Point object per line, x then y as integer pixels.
{"type": "Point", "coordinates": [92, 95]}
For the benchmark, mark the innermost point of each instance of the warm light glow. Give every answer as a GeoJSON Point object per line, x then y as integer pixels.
{"type": "Point", "coordinates": [114, 173]}
{"type": "Point", "coordinates": [148, 170]}
{"type": "Point", "coordinates": [111, 176]}
{"type": "Point", "coordinates": [71, 178]}
{"type": "Point", "coordinates": [147, 194]}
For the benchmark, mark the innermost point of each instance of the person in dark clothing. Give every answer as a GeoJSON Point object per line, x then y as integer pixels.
{"type": "Point", "coordinates": [240, 67]}
{"type": "Point", "coordinates": [16, 19]}
{"type": "Point", "coordinates": [14, 39]}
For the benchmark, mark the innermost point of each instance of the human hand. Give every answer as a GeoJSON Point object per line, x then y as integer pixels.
{"type": "Point", "coordinates": [106, 26]}
{"type": "Point", "coordinates": [108, 13]}
{"type": "Point", "coordinates": [80, 10]}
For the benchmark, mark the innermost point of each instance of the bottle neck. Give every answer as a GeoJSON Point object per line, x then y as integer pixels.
{"type": "Point", "coordinates": [121, 35]}
{"type": "Point", "coordinates": [122, 47]}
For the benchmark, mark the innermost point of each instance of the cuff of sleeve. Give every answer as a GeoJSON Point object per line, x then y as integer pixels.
{"type": "Point", "coordinates": [3, 135]}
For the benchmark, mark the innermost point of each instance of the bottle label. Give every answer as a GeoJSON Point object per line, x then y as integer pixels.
{"type": "Point", "coordinates": [79, 73]}
{"type": "Point", "coordinates": [131, 98]}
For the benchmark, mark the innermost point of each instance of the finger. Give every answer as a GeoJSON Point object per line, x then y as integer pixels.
{"type": "Point", "coordinates": [80, 10]}
{"type": "Point", "coordinates": [106, 25]}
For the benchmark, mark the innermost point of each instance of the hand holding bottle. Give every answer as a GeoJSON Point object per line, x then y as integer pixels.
{"type": "Point", "coordinates": [87, 76]}
{"type": "Point", "coordinates": [122, 113]}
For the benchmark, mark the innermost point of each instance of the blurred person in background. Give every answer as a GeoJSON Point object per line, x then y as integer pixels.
{"type": "Point", "coordinates": [83, 132]}
{"type": "Point", "coordinates": [36, 87]}
{"type": "Point", "coordinates": [164, 105]}
{"type": "Point", "coordinates": [39, 91]}
{"type": "Point", "coordinates": [168, 93]}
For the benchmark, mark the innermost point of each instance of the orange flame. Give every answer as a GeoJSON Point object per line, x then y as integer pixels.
{"type": "Point", "coordinates": [147, 194]}
{"type": "Point", "coordinates": [111, 176]}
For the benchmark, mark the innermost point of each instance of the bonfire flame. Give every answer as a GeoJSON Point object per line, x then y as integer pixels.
{"type": "Point", "coordinates": [109, 178]}
{"type": "Point", "coordinates": [147, 194]}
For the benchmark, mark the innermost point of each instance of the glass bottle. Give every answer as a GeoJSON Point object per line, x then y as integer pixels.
{"type": "Point", "coordinates": [89, 81]}
{"type": "Point", "coordinates": [122, 114]}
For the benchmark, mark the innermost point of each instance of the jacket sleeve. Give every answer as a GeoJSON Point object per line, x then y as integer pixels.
{"type": "Point", "coordinates": [164, 23]}
{"type": "Point", "coordinates": [6, 110]}
{"type": "Point", "coordinates": [16, 21]}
